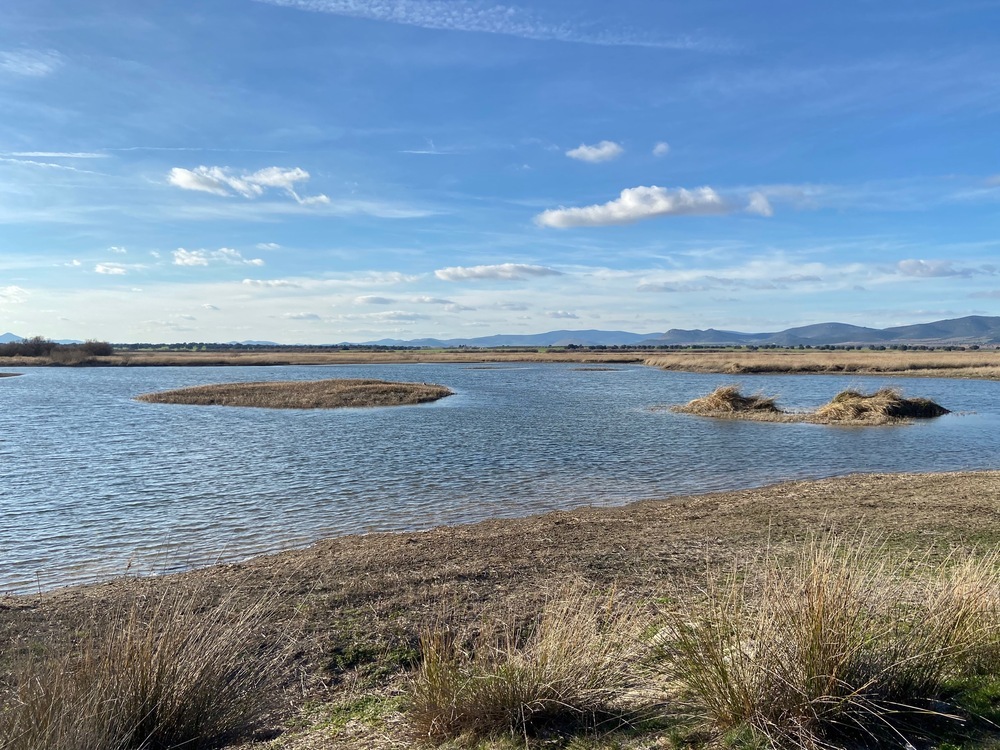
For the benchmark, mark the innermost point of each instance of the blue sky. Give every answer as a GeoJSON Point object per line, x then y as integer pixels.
{"type": "Point", "coordinates": [316, 171]}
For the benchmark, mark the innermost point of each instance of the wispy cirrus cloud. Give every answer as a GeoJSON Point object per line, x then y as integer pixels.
{"type": "Point", "coordinates": [30, 63]}
{"type": "Point", "coordinates": [501, 272]}
{"type": "Point", "coordinates": [930, 269]}
{"type": "Point", "coordinates": [603, 151]}
{"type": "Point", "coordinates": [227, 182]}
{"type": "Point", "coordinates": [372, 299]}
{"type": "Point", "coordinates": [225, 255]}
{"type": "Point", "coordinates": [60, 154]}
{"type": "Point", "coordinates": [487, 18]}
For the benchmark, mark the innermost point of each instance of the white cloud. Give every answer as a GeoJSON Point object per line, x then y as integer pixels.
{"type": "Point", "coordinates": [184, 257]}
{"type": "Point", "coordinates": [267, 246]}
{"type": "Point", "coordinates": [111, 269]}
{"type": "Point", "coordinates": [638, 203]}
{"type": "Point", "coordinates": [503, 271]}
{"type": "Point", "coordinates": [225, 181]}
{"type": "Point", "coordinates": [661, 149]}
{"type": "Point", "coordinates": [425, 300]}
{"type": "Point", "coordinates": [603, 151]}
{"type": "Point", "coordinates": [117, 250]}
{"type": "Point", "coordinates": [759, 204]}
{"type": "Point", "coordinates": [13, 294]}
{"type": "Point", "coordinates": [455, 15]}
{"type": "Point", "coordinates": [371, 299]}
{"type": "Point", "coordinates": [210, 307]}
{"type": "Point", "coordinates": [563, 314]}
{"type": "Point", "coordinates": [226, 255]}
{"type": "Point", "coordinates": [272, 283]}
{"type": "Point", "coordinates": [456, 308]}
{"type": "Point", "coordinates": [302, 316]}
{"type": "Point", "coordinates": [31, 63]}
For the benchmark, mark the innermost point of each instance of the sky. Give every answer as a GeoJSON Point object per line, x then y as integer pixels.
{"type": "Point", "coordinates": [320, 171]}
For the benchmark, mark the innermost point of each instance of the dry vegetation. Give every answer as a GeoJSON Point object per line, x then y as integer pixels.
{"type": "Point", "coordinates": [296, 394]}
{"type": "Point", "coordinates": [984, 363]}
{"type": "Point", "coordinates": [467, 634]}
{"type": "Point", "coordinates": [885, 406]}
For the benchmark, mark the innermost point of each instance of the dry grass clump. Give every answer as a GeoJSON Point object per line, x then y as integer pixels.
{"type": "Point", "coordinates": [727, 399]}
{"type": "Point", "coordinates": [569, 670]}
{"type": "Point", "coordinates": [838, 648]}
{"type": "Point", "coordinates": [177, 672]}
{"type": "Point", "coordinates": [885, 405]}
{"type": "Point", "coordinates": [295, 394]}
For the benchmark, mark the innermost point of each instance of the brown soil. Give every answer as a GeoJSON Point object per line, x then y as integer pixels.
{"type": "Point", "coordinates": [360, 601]}
{"type": "Point", "coordinates": [296, 394]}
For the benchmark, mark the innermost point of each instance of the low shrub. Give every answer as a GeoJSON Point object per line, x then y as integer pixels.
{"type": "Point", "coordinates": [569, 670]}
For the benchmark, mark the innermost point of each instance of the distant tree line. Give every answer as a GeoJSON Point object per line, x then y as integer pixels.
{"type": "Point", "coordinates": [69, 354]}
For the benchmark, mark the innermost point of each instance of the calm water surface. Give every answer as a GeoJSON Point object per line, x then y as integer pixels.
{"type": "Point", "coordinates": [93, 483]}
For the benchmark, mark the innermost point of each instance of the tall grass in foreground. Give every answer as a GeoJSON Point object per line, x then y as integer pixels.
{"type": "Point", "coordinates": [569, 670]}
{"type": "Point", "coordinates": [840, 646]}
{"type": "Point", "coordinates": [173, 673]}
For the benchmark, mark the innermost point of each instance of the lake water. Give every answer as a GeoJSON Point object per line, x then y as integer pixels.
{"type": "Point", "coordinates": [93, 483]}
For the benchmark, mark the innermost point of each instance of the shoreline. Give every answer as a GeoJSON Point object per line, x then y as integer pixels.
{"type": "Point", "coordinates": [354, 607]}
{"type": "Point", "coordinates": [829, 496]}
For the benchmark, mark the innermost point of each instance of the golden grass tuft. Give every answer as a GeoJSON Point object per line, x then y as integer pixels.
{"type": "Point", "coordinates": [177, 671]}
{"type": "Point", "coordinates": [727, 399]}
{"type": "Point", "coordinates": [885, 405]}
{"type": "Point", "coordinates": [295, 394]}
{"type": "Point", "coordinates": [839, 649]}
{"type": "Point", "coordinates": [569, 670]}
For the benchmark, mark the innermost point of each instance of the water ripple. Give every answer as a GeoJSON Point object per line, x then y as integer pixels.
{"type": "Point", "coordinates": [93, 483]}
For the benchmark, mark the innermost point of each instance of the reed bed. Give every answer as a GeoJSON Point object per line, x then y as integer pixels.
{"type": "Point", "coordinates": [984, 364]}
{"type": "Point", "coordinates": [315, 394]}
{"type": "Point", "coordinates": [885, 406]}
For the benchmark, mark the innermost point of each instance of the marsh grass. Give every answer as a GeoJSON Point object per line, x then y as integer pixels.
{"type": "Point", "coordinates": [179, 671]}
{"type": "Point", "coordinates": [294, 394]}
{"type": "Point", "coordinates": [885, 406]}
{"type": "Point", "coordinates": [568, 671]}
{"type": "Point", "coordinates": [839, 647]}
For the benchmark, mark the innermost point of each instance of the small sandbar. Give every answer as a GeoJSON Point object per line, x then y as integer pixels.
{"type": "Point", "coordinates": [885, 406]}
{"type": "Point", "coordinates": [299, 394]}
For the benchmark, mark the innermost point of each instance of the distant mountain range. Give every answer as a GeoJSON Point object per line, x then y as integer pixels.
{"type": "Point", "coordinates": [971, 330]}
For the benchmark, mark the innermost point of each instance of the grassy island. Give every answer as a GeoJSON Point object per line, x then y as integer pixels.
{"type": "Point", "coordinates": [298, 394]}
{"type": "Point", "coordinates": [885, 406]}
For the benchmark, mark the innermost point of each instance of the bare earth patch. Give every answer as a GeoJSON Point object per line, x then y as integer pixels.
{"type": "Point", "coordinates": [885, 406]}
{"type": "Point", "coordinates": [294, 394]}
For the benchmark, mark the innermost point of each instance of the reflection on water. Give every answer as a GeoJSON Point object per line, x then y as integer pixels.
{"type": "Point", "coordinates": [92, 482]}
